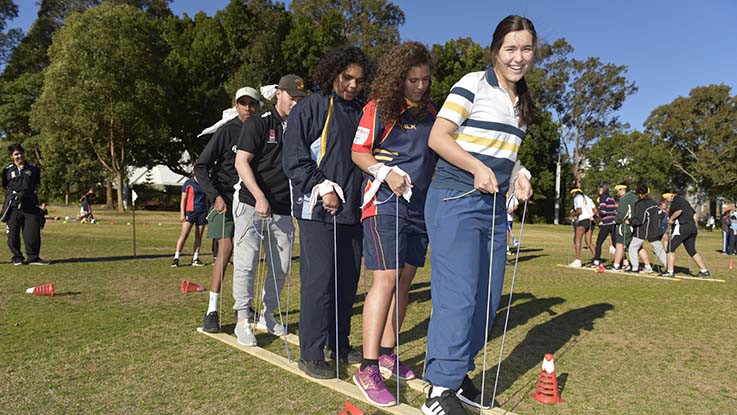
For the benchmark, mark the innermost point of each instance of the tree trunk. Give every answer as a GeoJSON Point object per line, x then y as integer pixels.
{"type": "Point", "coordinates": [108, 193]}
{"type": "Point", "coordinates": [119, 182]}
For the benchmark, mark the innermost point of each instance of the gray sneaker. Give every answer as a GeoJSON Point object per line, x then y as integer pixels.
{"type": "Point", "coordinates": [268, 323]}
{"type": "Point", "coordinates": [244, 333]}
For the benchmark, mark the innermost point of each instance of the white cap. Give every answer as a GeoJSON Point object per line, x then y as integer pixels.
{"type": "Point", "coordinates": [247, 91]}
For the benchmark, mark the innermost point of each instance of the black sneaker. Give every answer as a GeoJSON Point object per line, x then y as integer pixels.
{"type": "Point", "coordinates": [668, 274]}
{"type": "Point", "coordinates": [469, 394]}
{"type": "Point", "coordinates": [38, 261]}
{"type": "Point", "coordinates": [197, 263]}
{"type": "Point", "coordinates": [211, 324]}
{"type": "Point", "coordinates": [447, 403]}
{"type": "Point", "coordinates": [704, 274]}
{"type": "Point", "coordinates": [175, 263]}
{"type": "Point", "coordinates": [17, 262]}
{"type": "Point", "coordinates": [318, 369]}
{"type": "Point", "coordinates": [352, 357]}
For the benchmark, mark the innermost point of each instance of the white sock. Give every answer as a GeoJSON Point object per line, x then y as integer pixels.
{"type": "Point", "coordinates": [436, 391]}
{"type": "Point", "coordinates": [195, 256]}
{"type": "Point", "coordinates": [176, 255]}
{"type": "Point", "coordinates": [213, 305]}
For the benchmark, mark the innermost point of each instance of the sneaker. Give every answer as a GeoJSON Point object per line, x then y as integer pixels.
{"type": "Point", "coordinates": [39, 261]}
{"type": "Point", "coordinates": [318, 369]}
{"type": "Point", "coordinates": [17, 262]}
{"type": "Point", "coordinates": [648, 270]}
{"type": "Point", "coordinates": [175, 263]}
{"type": "Point", "coordinates": [668, 274]}
{"type": "Point", "coordinates": [470, 395]}
{"type": "Point", "coordinates": [628, 268]}
{"type": "Point", "coordinates": [211, 324]}
{"type": "Point", "coordinates": [576, 263]}
{"type": "Point", "coordinates": [244, 333]}
{"type": "Point", "coordinates": [447, 404]}
{"type": "Point", "coordinates": [704, 274]}
{"type": "Point", "coordinates": [352, 357]}
{"type": "Point", "coordinates": [371, 385]}
{"type": "Point", "coordinates": [595, 264]}
{"type": "Point", "coordinates": [387, 366]}
{"type": "Point", "coordinates": [614, 269]}
{"type": "Point", "coordinates": [196, 263]}
{"type": "Point", "coordinates": [269, 323]}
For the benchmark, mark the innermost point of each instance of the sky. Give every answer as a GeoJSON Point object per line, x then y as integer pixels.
{"type": "Point", "coordinates": [668, 46]}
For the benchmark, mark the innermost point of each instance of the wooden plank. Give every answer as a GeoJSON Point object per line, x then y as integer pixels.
{"type": "Point", "coordinates": [640, 274]}
{"type": "Point", "coordinates": [341, 386]}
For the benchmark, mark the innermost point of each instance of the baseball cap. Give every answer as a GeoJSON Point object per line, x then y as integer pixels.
{"type": "Point", "coordinates": [247, 91]}
{"type": "Point", "coordinates": [293, 84]}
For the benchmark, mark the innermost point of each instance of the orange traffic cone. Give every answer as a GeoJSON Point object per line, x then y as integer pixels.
{"type": "Point", "coordinates": [547, 384]}
{"type": "Point", "coordinates": [350, 409]}
{"type": "Point", "coordinates": [46, 289]}
{"type": "Point", "coordinates": [190, 287]}
{"type": "Point", "coordinates": [600, 269]}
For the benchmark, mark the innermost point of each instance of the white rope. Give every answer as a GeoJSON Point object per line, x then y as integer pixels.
{"type": "Point", "coordinates": [335, 275]}
{"type": "Point", "coordinates": [396, 290]}
{"type": "Point", "coordinates": [488, 298]}
{"type": "Point", "coordinates": [270, 221]}
{"type": "Point", "coordinates": [289, 278]}
{"type": "Point", "coordinates": [509, 304]}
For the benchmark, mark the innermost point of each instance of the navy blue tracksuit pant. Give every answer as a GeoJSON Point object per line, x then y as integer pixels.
{"type": "Point", "coordinates": [317, 285]}
{"type": "Point", "coordinates": [460, 238]}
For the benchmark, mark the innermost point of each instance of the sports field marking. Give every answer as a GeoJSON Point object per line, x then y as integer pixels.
{"type": "Point", "coordinates": [346, 388]}
{"type": "Point", "coordinates": [643, 275]}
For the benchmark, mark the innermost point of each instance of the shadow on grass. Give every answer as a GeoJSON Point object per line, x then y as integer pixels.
{"type": "Point", "coordinates": [108, 258]}
{"type": "Point", "coordinates": [549, 337]}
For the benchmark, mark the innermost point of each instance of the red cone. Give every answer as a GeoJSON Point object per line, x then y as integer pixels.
{"type": "Point", "coordinates": [731, 265]}
{"type": "Point", "coordinates": [600, 268]}
{"type": "Point", "coordinates": [190, 287]}
{"type": "Point", "coordinates": [350, 409]}
{"type": "Point", "coordinates": [547, 384]}
{"type": "Point", "coordinates": [46, 289]}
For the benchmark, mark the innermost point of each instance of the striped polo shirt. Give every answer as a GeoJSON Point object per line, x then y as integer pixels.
{"type": "Point", "coordinates": [488, 130]}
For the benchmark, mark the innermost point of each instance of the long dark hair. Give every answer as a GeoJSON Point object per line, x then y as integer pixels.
{"type": "Point", "coordinates": [388, 87]}
{"type": "Point", "coordinates": [336, 61]}
{"type": "Point", "coordinates": [510, 24]}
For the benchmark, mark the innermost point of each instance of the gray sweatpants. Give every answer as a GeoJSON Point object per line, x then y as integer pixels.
{"type": "Point", "coordinates": [635, 246]}
{"type": "Point", "coordinates": [252, 233]}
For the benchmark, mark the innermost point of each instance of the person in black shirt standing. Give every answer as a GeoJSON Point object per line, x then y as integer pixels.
{"type": "Point", "coordinates": [261, 212]}
{"type": "Point", "coordinates": [684, 231]}
{"type": "Point", "coordinates": [20, 210]}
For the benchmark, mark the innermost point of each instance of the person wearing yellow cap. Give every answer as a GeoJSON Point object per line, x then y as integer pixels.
{"type": "Point", "coordinates": [683, 231]}
{"type": "Point", "coordinates": [582, 215]}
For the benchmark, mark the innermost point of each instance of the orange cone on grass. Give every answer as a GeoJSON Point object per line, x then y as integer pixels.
{"type": "Point", "coordinates": [731, 264]}
{"type": "Point", "coordinates": [45, 289]}
{"type": "Point", "coordinates": [190, 287]}
{"type": "Point", "coordinates": [350, 409]}
{"type": "Point", "coordinates": [547, 384]}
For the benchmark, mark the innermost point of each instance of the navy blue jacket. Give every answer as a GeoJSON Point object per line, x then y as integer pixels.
{"type": "Point", "coordinates": [309, 158]}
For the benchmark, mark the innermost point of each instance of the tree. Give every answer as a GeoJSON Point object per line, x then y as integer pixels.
{"type": "Point", "coordinates": [701, 134]}
{"type": "Point", "coordinates": [9, 39]}
{"type": "Point", "coordinates": [309, 40]}
{"type": "Point", "coordinates": [453, 60]}
{"type": "Point", "coordinates": [103, 95]}
{"type": "Point", "coordinates": [372, 25]}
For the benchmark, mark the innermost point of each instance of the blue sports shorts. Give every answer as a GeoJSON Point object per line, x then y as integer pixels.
{"type": "Point", "coordinates": [380, 244]}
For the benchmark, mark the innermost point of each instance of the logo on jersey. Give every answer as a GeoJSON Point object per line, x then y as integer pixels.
{"type": "Point", "coordinates": [409, 126]}
{"type": "Point", "coordinates": [362, 135]}
{"type": "Point", "coordinates": [272, 137]}
{"type": "Point", "coordinates": [234, 148]}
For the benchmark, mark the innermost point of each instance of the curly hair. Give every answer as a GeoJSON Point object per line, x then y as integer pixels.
{"type": "Point", "coordinates": [388, 88]}
{"type": "Point", "coordinates": [335, 62]}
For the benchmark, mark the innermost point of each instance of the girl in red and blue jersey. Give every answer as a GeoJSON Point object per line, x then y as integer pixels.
{"type": "Point", "coordinates": [391, 148]}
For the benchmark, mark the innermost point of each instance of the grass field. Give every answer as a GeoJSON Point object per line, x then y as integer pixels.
{"type": "Point", "coordinates": [120, 338]}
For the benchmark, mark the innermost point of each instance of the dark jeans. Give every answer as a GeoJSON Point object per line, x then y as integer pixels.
{"type": "Point", "coordinates": [604, 231]}
{"type": "Point", "coordinates": [29, 222]}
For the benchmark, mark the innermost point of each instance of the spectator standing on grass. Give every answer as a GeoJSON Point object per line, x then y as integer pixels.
{"type": "Point", "coordinates": [216, 174]}
{"type": "Point", "coordinates": [683, 231]}
{"type": "Point", "coordinates": [326, 201]}
{"type": "Point", "coordinates": [477, 135]}
{"type": "Point", "coordinates": [20, 210]}
{"type": "Point", "coordinates": [261, 212]}
{"type": "Point", "coordinates": [192, 213]}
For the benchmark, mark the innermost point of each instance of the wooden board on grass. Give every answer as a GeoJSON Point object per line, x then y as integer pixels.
{"type": "Point", "coordinates": [343, 387]}
{"type": "Point", "coordinates": [643, 275]}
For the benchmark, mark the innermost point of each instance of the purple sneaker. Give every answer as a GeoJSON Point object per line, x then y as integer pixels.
{"type": "Point", "coordinates": [371, 384]}
{"type": "Point", "coordinates": [386, 364]}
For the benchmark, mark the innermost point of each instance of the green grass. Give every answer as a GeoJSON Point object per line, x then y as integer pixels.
{"type": "Point", "coordinates": [120, 338]}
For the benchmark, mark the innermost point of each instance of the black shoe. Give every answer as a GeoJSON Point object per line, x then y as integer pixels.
{"type": "Point", "coordinates": [318, 369]}
{"type": "Point", "coordinates": [17, 262]}
{"type": "Point", "coordinates": [175, 263]}
{"type": "Point", "coordinates": [197, 263]}
{"type": "Point", "coordinates": [352, 357]}
{"type": "Point", "coordinates": [447, 403]}
{"type": "Point", "coordinates": [704, 274]}
{"type": "Point", "coordinates": [470, 395]}
{"type": "Point", "coordinates": [211, 324]}
{"type": "Point", "coordinates": [38, 261]}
